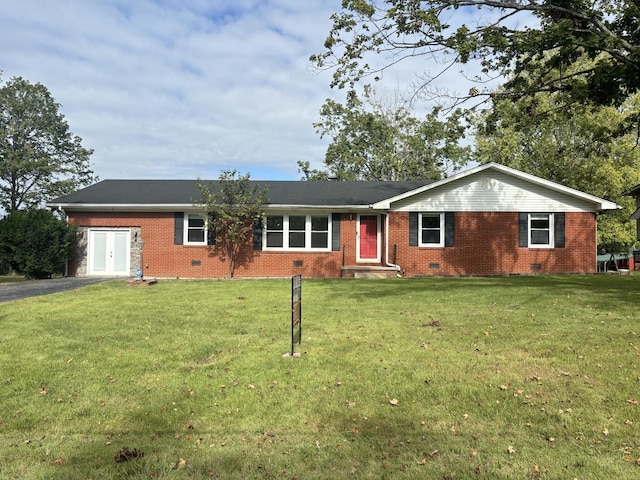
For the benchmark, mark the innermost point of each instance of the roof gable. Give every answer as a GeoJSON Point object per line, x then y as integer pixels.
{"type": "Point", "coordinates": [542, 187]}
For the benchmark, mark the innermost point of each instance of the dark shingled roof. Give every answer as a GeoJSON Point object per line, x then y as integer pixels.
{"type": "Point", "coordinates": [181, 192]}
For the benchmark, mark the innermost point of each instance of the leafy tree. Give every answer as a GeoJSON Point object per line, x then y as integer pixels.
{"type": "Point", "coordinates": [232, 207]}
{"type": "Point", "coordinates": [374, 140]}
{"type": "Point", "coordinates": [39, 157]}
{"type": "Point", "coordinates": [521, 39]}
{"type": "Point", "coordinates": [35, 243]}
{"type": "Point", "coordinates": [576, 146]}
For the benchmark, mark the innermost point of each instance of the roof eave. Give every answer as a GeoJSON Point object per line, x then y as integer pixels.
{"type": "Point", "coordinates": [317, 207]}
{"type": "Point", "coordinates": [119, 207]}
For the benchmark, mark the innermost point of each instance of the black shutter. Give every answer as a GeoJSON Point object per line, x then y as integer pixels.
{"type": "Point", "coordinates": [335, 232]}
{"type": "Point", "coordinates": [178, 228]}
{"type": "Point", "coordinates": [257, 234]}
{"type": "Point", "coordinates": [211, 229]}
{"type": "Point", "coordinates": [449, 228]}
{"type": "Point", "coordinates": [523, 229]}
{"type": "Point", "coordinates": [558, 227]}
{"type": "Point", "coordinates": [413, 229]}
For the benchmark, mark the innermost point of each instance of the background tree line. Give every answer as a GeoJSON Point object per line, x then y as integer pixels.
{"type": "Point", "coordinates": [566, 108]}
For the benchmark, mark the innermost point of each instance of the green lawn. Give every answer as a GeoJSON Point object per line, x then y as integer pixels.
{"type": "Point", "coordinates": [525, 377]}
{"type": "Point", "coordinates": [11, 278]}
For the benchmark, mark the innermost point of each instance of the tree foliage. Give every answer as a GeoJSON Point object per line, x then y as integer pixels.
{"type": "Point", "coordinates": [35, 243]}
{"type": "Point", "coordinates": [575, 146]}
{"type": "Point", "coordinates": [232, 206]}
{"type": "Point", "coordinates": [40, 158]}
{"type": "Point", "coordinates": [374, 139]}
{"type": "Point", "coordinates": [524, 40]}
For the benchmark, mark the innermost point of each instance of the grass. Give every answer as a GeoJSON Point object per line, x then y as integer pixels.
{"type": "Point", "coordinates": [11, 278]}
{"type": "Point", "coordinates": [526, 377]}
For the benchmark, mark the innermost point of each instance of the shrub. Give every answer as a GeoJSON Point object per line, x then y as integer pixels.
{"type": "Point", "coordinates": [35, 243]}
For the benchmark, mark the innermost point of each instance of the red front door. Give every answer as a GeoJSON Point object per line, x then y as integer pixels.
{"type": "Point", "coordinates": [368, 237]}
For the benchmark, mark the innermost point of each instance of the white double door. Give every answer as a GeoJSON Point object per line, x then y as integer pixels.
{"type": "Point", "coordinates": [109, 252]}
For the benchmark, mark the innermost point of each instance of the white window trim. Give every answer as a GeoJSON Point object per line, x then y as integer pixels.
{"type": "Point", "coordinates": [442, 232]}
{"type": "Point", "coordinates": [185, 239]}
{"type": "Point", "coordinates": [551, 231]}
{"type": "Point", "coordinates": [307, 234]}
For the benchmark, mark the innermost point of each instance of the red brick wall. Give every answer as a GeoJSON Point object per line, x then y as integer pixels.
{"type": "Point", "coordinates": [162, 259]}
{"type": "Point", "coordinates": [486, 243]}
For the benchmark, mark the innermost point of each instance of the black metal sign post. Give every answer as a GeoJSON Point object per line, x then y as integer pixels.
{"type": "Point", "coordinates": [296, 311]}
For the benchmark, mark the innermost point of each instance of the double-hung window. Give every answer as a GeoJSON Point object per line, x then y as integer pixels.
{"type": "Point", "coordinates": [297, 232]}
{"type": "Point", "coordinates": [195, 228]}
{"type": "Point", "coordinates": [541, 230]}
{"type": "Point", "coordinates": [431, 230]}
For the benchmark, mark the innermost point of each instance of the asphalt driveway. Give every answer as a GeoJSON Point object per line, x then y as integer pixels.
{"type": "Point", "coordinates": [10, 292]}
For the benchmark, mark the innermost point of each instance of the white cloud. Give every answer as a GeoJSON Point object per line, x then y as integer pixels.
{"type": "Point", "coordinates": [180, 89]}
{"type": "Point", "coordinates": [170, 89]}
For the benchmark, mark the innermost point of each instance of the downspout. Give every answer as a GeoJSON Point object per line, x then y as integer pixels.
{"type": "Point", "coordinates": [386, 245]}
{"type": "Point", "coordinates": [66, 218]}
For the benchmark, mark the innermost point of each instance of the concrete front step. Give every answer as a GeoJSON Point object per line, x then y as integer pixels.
{"type": "Point", "coordinates": [369, 271]}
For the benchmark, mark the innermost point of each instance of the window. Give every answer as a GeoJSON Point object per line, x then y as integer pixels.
{"type": "Point", "coordinates": [319, 231]}
{"type": "Point", "coordinates": [297, 232]}
{"type": "Point", "coordinates": [541, 230]}
{"type": "Point", "coordinates": [275, 231]}
{"type": "Point", "coordinates": [431, 230]}
{"type": "Point", "coordinates": [297, 228]}
{"type": "Point", "coordinates": [195, 229]}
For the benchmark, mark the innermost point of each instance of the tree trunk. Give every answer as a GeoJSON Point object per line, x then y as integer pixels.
{"type": "Point", "coordinates": [230, 262]}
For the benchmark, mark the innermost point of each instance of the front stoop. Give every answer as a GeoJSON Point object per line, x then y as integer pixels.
{"type": "Point", "coordinates": [139, 282]}
{"type": "Point", "coordinates": [369, 271]}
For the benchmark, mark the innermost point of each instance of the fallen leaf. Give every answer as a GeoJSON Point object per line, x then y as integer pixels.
{"type": "Point", "coordinates": [605, 431]}
{"type": "Point", "coordinates": [125, 455]}
{"type": "Point", "coordinates": [393, 402]}
{"type": "Point", "coordinates": [633, 402]}
{"type": "Point", "coordinates": [422, 462]}
{"type": "Point", "coordinates": [510, 449]}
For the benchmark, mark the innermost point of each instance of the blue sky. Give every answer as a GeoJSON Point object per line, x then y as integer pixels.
{"type": "Point", "coordinates": [177, 88]}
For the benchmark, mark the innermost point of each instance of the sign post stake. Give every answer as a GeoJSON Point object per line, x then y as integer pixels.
{"type": "Point", "coordinates": [296, 311]}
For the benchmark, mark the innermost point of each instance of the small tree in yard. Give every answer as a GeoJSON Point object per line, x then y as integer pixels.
{"type": "Point", "coordinates": [35, 243]}
{"type": "Point", "coordinates": [232, 206]}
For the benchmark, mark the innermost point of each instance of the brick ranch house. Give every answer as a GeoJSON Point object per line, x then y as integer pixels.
{"type": "Point", "coordinates": [489, 220]}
